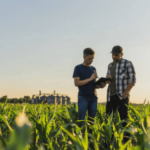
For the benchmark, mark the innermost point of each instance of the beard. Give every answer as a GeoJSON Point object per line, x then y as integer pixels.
{"type": "Point", "coordinates": [116, 60]}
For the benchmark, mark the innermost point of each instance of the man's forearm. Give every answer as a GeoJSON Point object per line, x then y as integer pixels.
{"type": "Point", "coordinates": [129, 87]}
{"type": "Point", "coordinates": [83, 82]}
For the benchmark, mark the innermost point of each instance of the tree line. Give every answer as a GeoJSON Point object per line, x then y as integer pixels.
{"type": "Point", "coordinates": [25, 99]}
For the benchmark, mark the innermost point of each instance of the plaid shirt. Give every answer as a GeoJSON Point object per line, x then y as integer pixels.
{"type": "Point", "coordinates": [125, 74]}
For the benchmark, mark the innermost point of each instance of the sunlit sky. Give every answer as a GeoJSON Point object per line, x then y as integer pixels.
{"type": "Point", "coordinates": [42, 41]}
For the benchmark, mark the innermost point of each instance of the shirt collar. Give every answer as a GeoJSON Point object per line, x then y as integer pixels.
{"type": "Point", "coordinates": [113, 62]}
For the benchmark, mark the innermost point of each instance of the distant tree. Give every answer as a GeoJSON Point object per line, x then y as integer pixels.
{"type": "Point", "coordinates": [20, 100]}
{"type": "Point", "coordinates": [27, 99]}
{"type": "Point", "coordinates": [8, 100]}
{"type": "Point", "coordinates": [3, 98]}
{"type": "Point", "coordinates": [14, 100]}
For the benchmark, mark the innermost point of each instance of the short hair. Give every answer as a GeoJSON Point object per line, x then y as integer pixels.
{"type": "Point", "coordinates": [88, 51]}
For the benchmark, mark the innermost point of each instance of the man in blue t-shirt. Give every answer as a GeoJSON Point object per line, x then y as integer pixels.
{"type": "Point", "coordinates": [84, 77]}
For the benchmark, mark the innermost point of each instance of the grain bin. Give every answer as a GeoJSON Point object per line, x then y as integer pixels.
{"type": "Point", "coordinates": [67, 100]}
{"type": "Point", "coordinates": [37, 99]}
{"type": "Point", "coordinates": [43, 99]}
{"type": "Point", "coordinates": [33, 99]}
{"type": "Point", "coordinates": [51, 99]}
{"type": "Point", "coordinates": [58, 99]}
{"type": "Point", "coordinates": [63, 100]}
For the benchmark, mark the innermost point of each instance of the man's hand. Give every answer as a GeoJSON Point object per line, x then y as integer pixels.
{"type": "Point", "coordinates": [93, 76]}
{"type": "Point", "coordinates": [108, 76]}
{"type": "Point", "coordinates": [103, 85]}
{"type": "Point", "coordinates": [124, 94]}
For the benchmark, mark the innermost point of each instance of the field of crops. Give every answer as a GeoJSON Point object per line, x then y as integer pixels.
{"type": "Point", "coordinates": [55, 127]}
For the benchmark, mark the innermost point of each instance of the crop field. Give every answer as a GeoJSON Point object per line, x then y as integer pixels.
{"type": "Point", "coordinates": [55, 127]}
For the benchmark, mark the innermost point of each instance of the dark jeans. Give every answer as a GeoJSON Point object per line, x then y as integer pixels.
{"type": "Point", "coordinates": [115, 103]}
{"type": "Point", "coordinates": [85, 104]}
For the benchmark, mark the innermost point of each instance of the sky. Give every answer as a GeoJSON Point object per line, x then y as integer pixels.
{"type": "Point", "coordinates": [42, 41]}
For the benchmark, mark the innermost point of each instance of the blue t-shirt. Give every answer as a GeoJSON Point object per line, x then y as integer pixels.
{"type": "Point", "coordinates": [85, 72]}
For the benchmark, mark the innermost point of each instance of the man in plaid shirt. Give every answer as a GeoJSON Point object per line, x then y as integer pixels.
{"type": "Point", "coordinates": [123, 76]}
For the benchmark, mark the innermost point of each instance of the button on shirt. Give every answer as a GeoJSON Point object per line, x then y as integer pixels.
{"type": "Point", "coordinates": [125, 74]}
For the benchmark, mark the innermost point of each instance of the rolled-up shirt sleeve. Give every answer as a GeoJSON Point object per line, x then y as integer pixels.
{"type": "Point", "coordinates": [131, 73]}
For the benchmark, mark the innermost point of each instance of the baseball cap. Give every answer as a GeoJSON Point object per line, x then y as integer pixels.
{"type": "Point", "coordinates": [117, 50]}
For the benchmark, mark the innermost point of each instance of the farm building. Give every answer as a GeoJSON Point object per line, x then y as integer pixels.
{"type": "Point", "coordinates": [50, 98]}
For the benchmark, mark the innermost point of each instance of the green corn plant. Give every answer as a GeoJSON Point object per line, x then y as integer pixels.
{"type": "Point", "coordinates": [72, 110]}
{"type": "Point", "coordinates": [140, 123]}
{"type": "Point", "coordinates": [20, 134]}
{"type": "Point", "coordinates": [43, 125]}
{"type": "Point", "coordinates": [81, 143]}
{"type": "Point", "coordinates": [51, 126]}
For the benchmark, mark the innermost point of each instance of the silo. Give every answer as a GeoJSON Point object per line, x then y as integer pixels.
{"type": "Point", "coordinates": [43, 99]}
{"type": "Point", "coordinates": [68, 100]}
{"type": "Point", "coordinates": [51, 99]}
{"type": "Point", "coordinates": [58, 99]}
{"type": "Point", "coordinates": [33, 99]}
{"type": "Point", "coordinates": [63, 100]}
{"type": "Point", "coordinates": [37, 99]}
